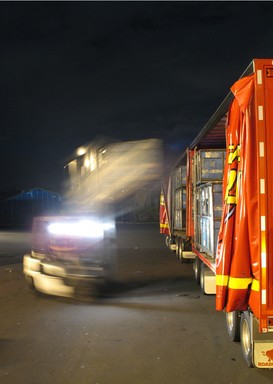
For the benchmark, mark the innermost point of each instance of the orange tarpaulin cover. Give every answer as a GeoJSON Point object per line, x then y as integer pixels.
{"type": "Point", "coordinates": [163, 216]}
{"type": "Point", "coordinates": [237, 253]}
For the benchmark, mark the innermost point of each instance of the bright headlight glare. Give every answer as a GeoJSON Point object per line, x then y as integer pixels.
{"type": "Point", "coordinates": [108, 225]}
{"type": "Point", "coordinates": [84, 228]}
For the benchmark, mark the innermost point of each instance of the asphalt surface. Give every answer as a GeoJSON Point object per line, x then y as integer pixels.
{"type": "Point", "coordinates": [151, 325]}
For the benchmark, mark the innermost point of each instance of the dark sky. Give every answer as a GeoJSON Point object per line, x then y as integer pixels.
{"type": "Point", "coordinates": [70, 71]}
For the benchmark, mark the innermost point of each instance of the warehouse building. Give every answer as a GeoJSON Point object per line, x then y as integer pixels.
{"type": "Point", "coordinates": [18, 208]}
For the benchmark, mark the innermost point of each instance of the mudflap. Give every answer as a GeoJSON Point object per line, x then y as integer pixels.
{"type": "Point", "coordinates": [262, 346]}
{"type": "Point", "coordinates": [207, 280]}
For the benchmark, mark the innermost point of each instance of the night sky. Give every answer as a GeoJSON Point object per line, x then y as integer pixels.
{"type": "Point", "coordinates": [70, 71]}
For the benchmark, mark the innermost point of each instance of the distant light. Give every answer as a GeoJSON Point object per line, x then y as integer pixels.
{"type": "Point", "coordinates": [87, 163]}
{"type": "Point", "coordinates": [92, 162]}
{"type": "Point", "coordinates": [81, 151]}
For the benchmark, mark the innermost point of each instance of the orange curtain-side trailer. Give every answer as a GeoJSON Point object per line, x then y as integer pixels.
{"type": "Point", "coordinates": [228, 210]}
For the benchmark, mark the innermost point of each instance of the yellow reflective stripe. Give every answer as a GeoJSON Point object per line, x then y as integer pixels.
{"type": "Point", "coordinates": [255, 285]}
{"type": "Point", "coordinates": [233, 282]}
{"type": "Point", "coordinates": [164, 225]}
{"type": "Point", "coordinates": [222, 280]}
{"type": "Point", "coordinates": [239, 283]}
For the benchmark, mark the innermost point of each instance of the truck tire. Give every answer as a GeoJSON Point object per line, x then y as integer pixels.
{"type": "Point", "coordinates": [202, 278]}
{"type": "Point", "coordinates": [169, 241]}
{"type": "Point", "coordinates": [177, 246]}
{"type": "Point", "coordinates": [180, 250]}
{"type": "Point", "coordinates": [233, 321]}
{"type": "Point", "coordinates": [182, 259]}
{"type": "Point", "coordinates": [197, 269]}
{"type": "Point", "coordinates": [246, 342]}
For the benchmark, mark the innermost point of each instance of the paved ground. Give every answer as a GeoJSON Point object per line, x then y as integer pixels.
{"type": "Point", "coordinates": [151, 326]}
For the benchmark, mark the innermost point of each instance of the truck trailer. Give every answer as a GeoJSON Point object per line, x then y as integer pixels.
{"type": "Point", "coordinates": [216, 210]}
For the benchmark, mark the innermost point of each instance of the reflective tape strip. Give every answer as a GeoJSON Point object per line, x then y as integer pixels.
{"type": "Point", "coordinates": [260, 112]}
{"type": "Point", "coordinates": [222, 280]}
{"type": "Point", "coordinates": [263, 258]}
{"type": "Point", "coordinates": [261, 147]}
{"type": "Point", "coordinates": [264, 296]}
{"type": "Point", "coordinates": [262, 223]}
{"type": "Point", "coordinates": [164, 225]}
{"type": "Point", "coordinates": [239, 283]}
{"type": "Point", "coordinates": [259, 77]}
{"type": "Point", "coordinates": [262, 186]}
{"type": "Point", "coordinates": [255, 285]}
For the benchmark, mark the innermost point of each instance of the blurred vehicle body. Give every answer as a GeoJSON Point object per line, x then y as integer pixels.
{"type": "Point", "coordinates": [70, 253]}
{"type": "Point", "coordinates": [77, 251]}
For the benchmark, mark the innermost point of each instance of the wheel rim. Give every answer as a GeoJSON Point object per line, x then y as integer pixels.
{"type": "Point", "coordinates": [245, 338]}
{"type": "Point", "coordinates": [230, 321]}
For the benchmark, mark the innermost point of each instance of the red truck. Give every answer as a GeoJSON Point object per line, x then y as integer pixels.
{"type": "Point", "coordinates": [216, 209]}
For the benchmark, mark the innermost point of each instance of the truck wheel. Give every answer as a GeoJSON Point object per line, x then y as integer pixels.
{"type": "Point", "coordinates": [170, 241]}
{"type": "Point", "coordinates": [177, 247]}
{"type": "Point", "coordinates": [202, 278]}
{"type": "Point", "coordinates": [181, 249]}
{"type": "Point", "coordinates": [233, 321]}
{"type": "Point", "coordinates": [196, 269]}
{"type": "Point", "coordinates": [246, 341]}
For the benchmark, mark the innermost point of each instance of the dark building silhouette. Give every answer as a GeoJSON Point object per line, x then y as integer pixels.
{"type": "Point", "coordinates": [17, 208]}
